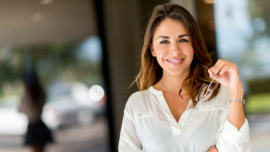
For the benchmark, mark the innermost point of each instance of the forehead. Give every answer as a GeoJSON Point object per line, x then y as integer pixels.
{"type": "Point", "coordinates": [170, 27]}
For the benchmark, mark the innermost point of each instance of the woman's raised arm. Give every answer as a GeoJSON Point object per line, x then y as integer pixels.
{"type": "Point", "coordinates": [233, 134]}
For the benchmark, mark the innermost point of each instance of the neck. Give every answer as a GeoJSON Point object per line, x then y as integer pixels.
{"type": "Point", "coordinates": [174, 81]}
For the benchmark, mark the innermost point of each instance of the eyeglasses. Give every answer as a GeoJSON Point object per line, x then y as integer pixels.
{"type": "Point", "coordinates": [212, 86]}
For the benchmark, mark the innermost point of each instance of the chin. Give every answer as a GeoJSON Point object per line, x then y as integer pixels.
{"type": "Point", "coordinates": [175, 72]}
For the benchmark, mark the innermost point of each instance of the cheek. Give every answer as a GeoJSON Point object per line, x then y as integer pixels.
{"type": "Point", "coordinates": [188, 51]}
{"type": "Point", "coordinates": [161, 52]}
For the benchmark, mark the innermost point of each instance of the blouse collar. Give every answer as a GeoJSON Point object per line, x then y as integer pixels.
{"type": "Point", "coordinates": [153, 90]}
{"type": "Point", "coordinates": [158, 92]}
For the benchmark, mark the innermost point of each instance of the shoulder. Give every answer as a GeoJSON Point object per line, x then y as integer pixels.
{"type": "Point", "coordinates": [136, 98]}
{"type": "Point", "coordinates": [136, 102]}
{"type": "Point", "coordinates": [137, 95]}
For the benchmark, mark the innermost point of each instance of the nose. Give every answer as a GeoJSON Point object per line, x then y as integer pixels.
{"type": "Point", "coordinates": [175, 49]}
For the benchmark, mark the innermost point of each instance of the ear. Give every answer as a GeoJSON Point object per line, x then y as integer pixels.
{"type": "Point", "coordinates": [152, 49]}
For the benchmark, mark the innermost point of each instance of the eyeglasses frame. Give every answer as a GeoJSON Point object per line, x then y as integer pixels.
{"type": "Point", "coordinates": [208, 88]}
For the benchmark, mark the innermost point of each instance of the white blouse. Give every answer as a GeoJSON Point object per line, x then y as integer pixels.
{"type": "Point", "coordinates": [149, 126]}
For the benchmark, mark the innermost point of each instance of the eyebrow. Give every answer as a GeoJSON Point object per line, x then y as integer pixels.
{"type": "Point", "coordinates": [180, 36]}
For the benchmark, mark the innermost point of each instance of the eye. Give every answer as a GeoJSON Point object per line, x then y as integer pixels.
{"type": "Point", "coordinates": [164, 42]}
{"type": "Point", "coordinates": [183, 40]}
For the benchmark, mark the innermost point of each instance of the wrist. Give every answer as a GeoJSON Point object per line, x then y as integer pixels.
{"type": "Point", "coordinates": [237, 93]}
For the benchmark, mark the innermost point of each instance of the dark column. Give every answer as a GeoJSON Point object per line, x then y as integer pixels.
{"type": "Point", "coordinates": [207, 25]}
{"type": "Point", "coordinates": [121, 27]}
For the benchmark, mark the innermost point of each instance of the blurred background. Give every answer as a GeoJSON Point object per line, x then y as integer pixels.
{"type": "Point", "coordinates": [87, 52]}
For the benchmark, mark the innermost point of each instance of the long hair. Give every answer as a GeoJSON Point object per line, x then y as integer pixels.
{"type": "Point", "coordinates": [33, 87]}
{"type": "Point", "coordinates": [151, 72]}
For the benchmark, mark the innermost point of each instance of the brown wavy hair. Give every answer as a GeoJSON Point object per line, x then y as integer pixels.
{"type": "Point", "coordinates": [151, 72]}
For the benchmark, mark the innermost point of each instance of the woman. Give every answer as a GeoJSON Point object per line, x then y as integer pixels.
{"type": "Point", "coordinates": [182, 105]}
{"type": "Point", "coordinates": [32, 102]}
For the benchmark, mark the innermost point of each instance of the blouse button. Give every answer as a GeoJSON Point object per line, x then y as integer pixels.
{"type": "Point", "coordinates": [215, 106]}
{"type": "Point", "coordinates": [139, 115]}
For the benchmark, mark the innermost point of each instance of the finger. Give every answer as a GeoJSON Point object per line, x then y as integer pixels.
{"type": "Point", "coordinates": [219, 61]}
{"type": "Point", "coordinates": [224, 69]}
{"type": "Point", "coordinates": [219, 67]}
{"type": "Point", "coordinates": [215, 150]}
{"type": "Point", "coordinates": [212, 149]}
{"type": "Point", "coordinates": [216, 64]}
{"type": "Point", "coordinates": [213, 75]}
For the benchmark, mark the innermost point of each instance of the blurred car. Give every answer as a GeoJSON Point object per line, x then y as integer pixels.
{"type": "Point", "coordinates": [70, 104]}
{"type": "Point", "coordinates": [66, 105]}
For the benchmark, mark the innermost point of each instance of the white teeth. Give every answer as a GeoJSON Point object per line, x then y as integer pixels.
{"type": "Point", "coordinates": [175, 60]}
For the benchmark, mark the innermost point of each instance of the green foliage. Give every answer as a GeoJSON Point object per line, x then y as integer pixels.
{"type": "Point", "coordinates": [53, 62]}
{"type": "Point", "coordinates": [259, 86]}
{"type": "Point", "coordinates": [258, 103]}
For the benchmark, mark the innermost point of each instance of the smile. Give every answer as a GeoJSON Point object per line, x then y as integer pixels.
{"type": "Point", "coordinates": [175, 62]}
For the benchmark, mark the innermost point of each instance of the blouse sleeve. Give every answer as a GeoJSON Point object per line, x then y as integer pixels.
{"type": "Point", "coordinates": [128, 136]}
{"type": "Point", "coordinates": [230, 139]}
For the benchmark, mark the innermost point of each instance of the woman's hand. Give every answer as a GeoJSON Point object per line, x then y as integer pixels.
{"type": "Point", "coordinates": [226, 73]}
{"type": "Point", "coordinates": [212, 149]}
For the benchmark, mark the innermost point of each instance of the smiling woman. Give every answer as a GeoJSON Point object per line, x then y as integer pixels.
{"type": "Point", "coordinates": [166, 114]}
{"type": "Point", "coordinates": [172, 34]}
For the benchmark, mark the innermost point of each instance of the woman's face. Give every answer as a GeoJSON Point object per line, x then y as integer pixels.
{"type": "Point", "coordinates": [172, 47]}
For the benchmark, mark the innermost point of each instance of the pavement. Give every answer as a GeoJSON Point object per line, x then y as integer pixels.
{"type": "Point", "coordinates": [94, 137]}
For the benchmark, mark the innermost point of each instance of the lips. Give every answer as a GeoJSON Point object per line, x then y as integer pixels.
{"type": "Point", "coordinates": [175, 62]}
